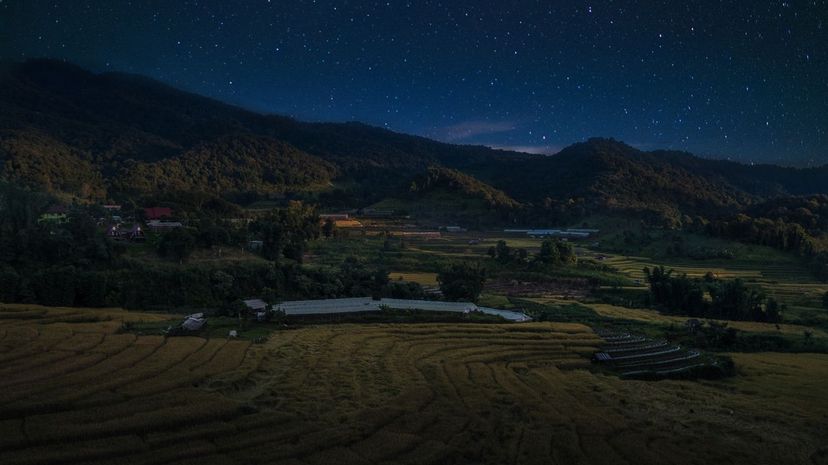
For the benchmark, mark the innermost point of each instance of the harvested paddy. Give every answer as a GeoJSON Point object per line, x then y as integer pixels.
{"type": "Point", "coordinates": [74, 390]}
{"type": "Point", "coordinates": [652, 316]}
{"type": "Point", "coordinates": [423, 279]}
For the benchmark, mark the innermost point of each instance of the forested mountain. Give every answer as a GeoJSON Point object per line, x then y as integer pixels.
{"type": "Point", "coordinates": [112, 129]}
{"type": "Point", "coordinates": [437, 178]}
{"type": "Point", "coordinates": [98, 136]}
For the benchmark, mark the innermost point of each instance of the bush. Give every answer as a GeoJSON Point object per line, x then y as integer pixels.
{"type": "Point", "coordinates": [461, 281]}
{"type": "Point", "coordinates": [177, 244]}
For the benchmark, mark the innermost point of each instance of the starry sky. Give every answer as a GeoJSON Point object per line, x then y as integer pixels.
{"type": "Point", "coordinates": [744, 80]}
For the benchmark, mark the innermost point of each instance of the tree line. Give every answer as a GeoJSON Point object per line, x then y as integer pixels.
{"type": "Point", "coordinates": [710, 297]}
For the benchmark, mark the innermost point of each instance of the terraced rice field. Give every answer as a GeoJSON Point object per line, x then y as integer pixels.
{"type": "Point", "coordinates": [74, 390]}
{"type": "Point", "coordinates": [652, 316]}
{"type": "Point", "coordinates": [786, 280]}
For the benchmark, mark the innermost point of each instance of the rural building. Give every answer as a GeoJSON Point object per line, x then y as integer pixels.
{"type": "Point", "coordinates": [367, 304]}
{"type": "Point", "coordinates": [156, 213]}
{"type": "Point", "coordinates": [57, 209]}
{"type": "Point", "coordinates": [135, 233]}
{"type": "Point", "coordinates": [572, 233]}
{"type": "Point", "coordinates": [555, 233]}
{"type": "Point", "coordinates": [334, 216]}
{"type": "Point", "coordinates": [256, 305]}
{"type": "Point", "coordinates": [52, 218]}
{"type": "Point", "coordinates": [111, 207]}
{"type": "Point", "coordinates": [163, 226]}
{"type": "Point", "coordinates": [347, 224]}
{"type": "Point", "coordinates": [113, 231]}
{"type": "Point", "coordinates": [374, 213]}
{"type": "Point", "coordinates": [425, 234]}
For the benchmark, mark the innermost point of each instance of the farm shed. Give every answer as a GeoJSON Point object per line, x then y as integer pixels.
{"type": "Point", "coordinates": [328, 306]}
{"type": "Point", "coordinates": [156, 213]}
{"type": "Point", "coordinates": [159, 226]}
{"type": "Point", "coordinates": [334, 216]}
{"type": "Point", "coordinates": [257, 305]}
{"type": "Point", "coordinates": [366, 304]}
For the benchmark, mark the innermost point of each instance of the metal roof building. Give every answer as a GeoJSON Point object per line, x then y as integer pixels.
{"type": "Point", "coordinates": [367, 304]}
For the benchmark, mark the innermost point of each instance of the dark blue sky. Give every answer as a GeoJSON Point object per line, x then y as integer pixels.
{"type": "Point", "coordinates": [741, 79]}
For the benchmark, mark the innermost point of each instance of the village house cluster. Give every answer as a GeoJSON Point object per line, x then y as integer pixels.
{"type": "Point", "coordinates": [131, 228]}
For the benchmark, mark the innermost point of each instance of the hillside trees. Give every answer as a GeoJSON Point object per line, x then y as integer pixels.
{"type": "Point", "coordinates": [285, 232]}
{"type": "Point", "coordinates": [177, 244]}
{"type": "Point", "coordinates": [729, 299]}
{"type": "Point", "coordinates": [462, 281]}
{"type": "Point", "coordinates": [556, 252]}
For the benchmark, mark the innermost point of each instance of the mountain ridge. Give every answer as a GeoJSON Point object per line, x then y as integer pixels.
{"type": "Point", "coordinates": [96, 136]}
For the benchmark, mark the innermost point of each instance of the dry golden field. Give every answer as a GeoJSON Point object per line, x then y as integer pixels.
{"type": "Point", "coordinates": [74, 390]}
{"type": "Point", "coordinates": [422, 278]}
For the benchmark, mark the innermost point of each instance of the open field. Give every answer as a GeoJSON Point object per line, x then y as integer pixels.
{"type": "Point", "coordinates": [74, 390]}
{"type": "Point", "coordinates": [781, 277]}
{"type": "Point", "coordinates": [652, 316]}
{"type": "Point", "coordinates": [423, 279]}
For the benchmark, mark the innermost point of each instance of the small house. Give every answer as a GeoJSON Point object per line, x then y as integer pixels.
{"type": "Point", "coordinates": [156, 213]}
{"type": "Point", "coordinates": [334, 216]}
{"type": "Point", "coordinates": [163, 226]}
{"type": "Point", "coordinates": [53, 218]}
{"type": "Point", "coordinates": [255, 305]}
{"type": "Point", "coordinates": [136, 233]}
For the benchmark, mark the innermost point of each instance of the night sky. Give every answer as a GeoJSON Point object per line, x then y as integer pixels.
{"type": "Point", "coordinates": [746, 80]}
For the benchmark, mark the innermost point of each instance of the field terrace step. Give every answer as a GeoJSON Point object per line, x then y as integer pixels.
{"type": "Point", "coordinates": [662, 372]}
{"type": "Point", "coordinates": [632, 356]}
{"type": "Point", "coordinates": [634, 348]}
{"type": "Point", "coordinates": [613, 358]}
{"type": "Point", "coordinates": [621, 342]}
{"type": "Point", "coordinates": [659, 361]}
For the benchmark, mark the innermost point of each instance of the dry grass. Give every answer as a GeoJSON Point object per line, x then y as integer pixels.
{"type": "Point", "coordinates": [652, 316]}
{"type": "Point", "coordinates": [347, 224]}
{"type": "Point", "coordinates": [74, 391]}
{"type": "Point", "coordinates": [424, 279]}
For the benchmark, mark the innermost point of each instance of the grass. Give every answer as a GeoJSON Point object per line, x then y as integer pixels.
{"type": "Point", "coordinates": [74, 390]}
{"type": "Point", "coordinates": [652, 316]}
{"type": "Point", "coordinates": [780, 275]}
{"type": "Point", "coordinates": [424, 279]}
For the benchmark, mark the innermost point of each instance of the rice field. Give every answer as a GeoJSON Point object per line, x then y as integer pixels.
{"type": "Point", "coordinates": [652, 316]}
{"type": "Point", "coordinates": [783, 278]}
{"type": "Point", "coordinates": [74, 390]}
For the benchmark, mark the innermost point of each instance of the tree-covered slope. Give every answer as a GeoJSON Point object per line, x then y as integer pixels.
{"type": "Point", "coordinates": [114, 120]}
{"type": "Point", "coordinates": [95, 136]}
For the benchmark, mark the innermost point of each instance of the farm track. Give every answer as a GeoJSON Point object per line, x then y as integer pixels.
{"type": "Point", "coordinates": [73, 391]}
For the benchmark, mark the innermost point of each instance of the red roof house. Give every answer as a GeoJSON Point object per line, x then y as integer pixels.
{"type": "Point", "coordinates": [156, 213]}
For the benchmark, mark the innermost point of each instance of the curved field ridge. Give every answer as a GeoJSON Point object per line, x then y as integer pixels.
{"type": "Point", "coordinates": [75, 391]}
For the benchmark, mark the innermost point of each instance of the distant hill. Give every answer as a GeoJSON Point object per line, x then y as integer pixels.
{"type": "Point", "coordinates": [453, 181]}
{"type": "Point", "coordinates": [451, 197]}
{"type": "Point", "coordinates": [97, 136]}
{"type": "Point", "coordinates": [117, 126]}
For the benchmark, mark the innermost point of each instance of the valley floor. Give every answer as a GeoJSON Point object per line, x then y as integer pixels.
{"type": "Point", "coordinates": [74, 389]}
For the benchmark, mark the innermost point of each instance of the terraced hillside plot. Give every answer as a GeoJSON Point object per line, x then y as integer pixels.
{"type": "Point", "coordinates": [652, 316]}
{"type": "Point", "coordinates": [783, 278]}
{"type": "Point", "coordinates": [74, 390]}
